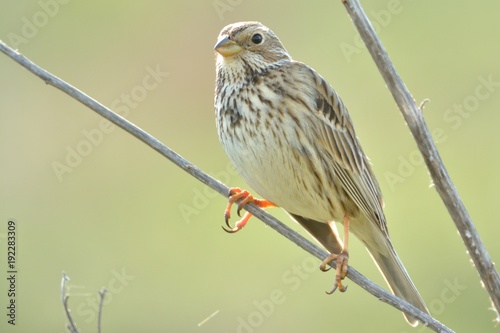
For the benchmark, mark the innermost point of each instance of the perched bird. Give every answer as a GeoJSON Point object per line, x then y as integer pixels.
{"type": "Point", "coordinates": [291, 138]}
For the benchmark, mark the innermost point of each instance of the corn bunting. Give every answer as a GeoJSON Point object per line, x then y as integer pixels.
{"type": "Point", "coordinates": [291, 138]}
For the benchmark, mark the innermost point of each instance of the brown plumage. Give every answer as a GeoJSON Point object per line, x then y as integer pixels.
{"type": "Point", "coordinates": [291, 138]}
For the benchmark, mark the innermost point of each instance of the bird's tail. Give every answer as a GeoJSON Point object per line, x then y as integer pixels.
{"type": "Point", "coordinates": [398, 279]}
{"type": "Point", "coordinates": [382, 252]}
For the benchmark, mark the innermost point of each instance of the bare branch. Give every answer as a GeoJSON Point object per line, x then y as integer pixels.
{"type": "Point", "coordinates": [102, 295]}
{"type": "Point", "coordinates": [416, 123]}
{"type": "Point", "coordinates": [178, 160]}
{"type": "Point", "coordinates": [71, 325]}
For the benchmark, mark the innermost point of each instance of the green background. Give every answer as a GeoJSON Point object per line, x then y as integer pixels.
{"type": "Point", "coordinates": [125, 218]}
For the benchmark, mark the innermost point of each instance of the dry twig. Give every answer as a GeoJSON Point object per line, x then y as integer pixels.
{"type": "Point", "coordinates": [440, 177]}
{"type": "Point", "coordinates": [102, 295]}
{"type": "Point", "coordinates": [71, 326]}
{"type": "Point", "coordinates": [65, 297]}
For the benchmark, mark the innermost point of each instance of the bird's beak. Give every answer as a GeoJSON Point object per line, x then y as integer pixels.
{"type": "Point", "coordinates": [226, 47]}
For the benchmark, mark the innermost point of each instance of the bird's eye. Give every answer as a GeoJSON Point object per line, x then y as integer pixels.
{"type": "Point", "coordinates": [257, 39]}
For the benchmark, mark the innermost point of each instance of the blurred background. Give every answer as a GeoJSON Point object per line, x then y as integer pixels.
{"type": "Point", "coordinates": [94, 202]}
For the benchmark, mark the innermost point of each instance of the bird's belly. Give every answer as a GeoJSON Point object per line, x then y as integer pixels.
{"type": "Point", "coordinates": [279, 173]}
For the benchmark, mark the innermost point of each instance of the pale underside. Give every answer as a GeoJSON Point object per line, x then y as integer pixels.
{"type": "Point", "coordinates": [327, 182]}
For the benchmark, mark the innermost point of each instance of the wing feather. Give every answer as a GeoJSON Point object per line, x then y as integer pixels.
{"type": "Point", "coordinates": [350, 164]}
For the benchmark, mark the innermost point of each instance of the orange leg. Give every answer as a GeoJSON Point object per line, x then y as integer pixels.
{"type": "Point", "coordinates": [341, 260]}
{"type": "Point", "coordinates": [236, 194]}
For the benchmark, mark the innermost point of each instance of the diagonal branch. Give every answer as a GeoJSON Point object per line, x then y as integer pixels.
{"type": "Point", "coordinates": [190, 168]}
{"type": "Point", "coordinates": [440, 177]}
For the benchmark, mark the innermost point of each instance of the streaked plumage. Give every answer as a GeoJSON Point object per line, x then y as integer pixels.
{"type": "Point", "coordinates": [291, 138]}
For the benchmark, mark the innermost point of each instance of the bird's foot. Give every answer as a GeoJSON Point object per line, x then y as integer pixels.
{"type": "Point", "coordinates": [341, 272]}
{"type": "Point", "coordinates": [236, 194]}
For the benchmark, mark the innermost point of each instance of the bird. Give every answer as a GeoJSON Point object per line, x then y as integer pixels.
{"type": "Point", "coordinates": [291, 138]}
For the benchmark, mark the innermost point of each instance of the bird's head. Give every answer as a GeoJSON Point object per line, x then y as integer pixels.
{"type": "Point", "coordinates": [251, 43]}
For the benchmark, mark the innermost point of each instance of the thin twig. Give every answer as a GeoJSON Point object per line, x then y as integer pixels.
{"type": "Point", "coordinates": [71, 326]}
{"type": "Point", "coordinates": [440, 177]}
{"type": "Point", "coordinates": [178, 160]}
{"type": "Point", "coordinates": [102, 295]}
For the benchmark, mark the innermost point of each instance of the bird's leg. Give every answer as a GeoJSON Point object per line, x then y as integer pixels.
{"type": "Point", "coordinates": [235, 194]}
{"type": "Point", "coordinates": [341, 260]}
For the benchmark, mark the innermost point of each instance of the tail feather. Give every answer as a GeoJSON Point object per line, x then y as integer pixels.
{"type": "Point", "coordinates": [382, 252]}
{"type": "Point", "coordinates": [379, 246]}
{"type": "Point", "coordinates": [321, 232]}
{"type": "Point", "coordinates": [398, 280]}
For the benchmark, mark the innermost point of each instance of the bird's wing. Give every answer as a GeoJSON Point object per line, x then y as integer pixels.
{"type": "Point", "coordinates": [350, 164]}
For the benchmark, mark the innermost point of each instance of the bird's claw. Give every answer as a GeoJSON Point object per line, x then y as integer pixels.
{"type": "Point", "coordinates": [341, 271]}
{"type": "Point", "coordinates": [238, 225]}
{"type": "Point", "coordinates": [236, 194]}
